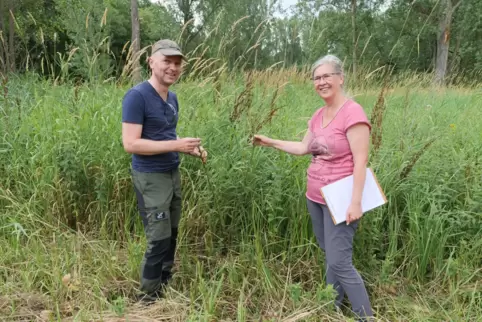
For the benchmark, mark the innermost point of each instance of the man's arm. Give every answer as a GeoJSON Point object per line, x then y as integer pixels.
{"type": "Point", "coordinates": [131, 139]}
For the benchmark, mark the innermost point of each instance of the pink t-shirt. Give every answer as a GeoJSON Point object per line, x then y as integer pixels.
{"type": "Point", "coordinates": [332, 157]}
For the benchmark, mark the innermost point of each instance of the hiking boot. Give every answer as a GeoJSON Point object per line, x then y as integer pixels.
{"type": "Point", "coordinates": [150, 298]}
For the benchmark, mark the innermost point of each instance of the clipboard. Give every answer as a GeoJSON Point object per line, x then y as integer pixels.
{"type": "Point", "coordinates": [338, 195]}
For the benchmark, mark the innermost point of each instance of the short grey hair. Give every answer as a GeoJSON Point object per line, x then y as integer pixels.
{"type": "Point", "coordinates": [328, 59]}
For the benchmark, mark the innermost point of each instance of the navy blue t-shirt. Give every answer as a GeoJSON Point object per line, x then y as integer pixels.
{"type": "Point", "coordinates": [143, 105]}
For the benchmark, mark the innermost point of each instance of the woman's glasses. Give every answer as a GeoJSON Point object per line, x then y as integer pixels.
{"type": "Point", "coordinates": [325, 77]}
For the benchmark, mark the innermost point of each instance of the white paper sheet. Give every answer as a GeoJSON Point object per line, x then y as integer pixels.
{"type": "Point", "coordinates": [338, 196]}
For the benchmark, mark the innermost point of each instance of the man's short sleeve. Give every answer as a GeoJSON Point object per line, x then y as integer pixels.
{"type": "Point", "coordinates": [133, 107]}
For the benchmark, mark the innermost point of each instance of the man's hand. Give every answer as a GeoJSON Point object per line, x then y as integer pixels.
{"type": "Point", "coordinates": [200, 153]}
{"type": "Point", "coordinates": [188, 145]}
{"type": "Point", "coordinates": [196, 152]}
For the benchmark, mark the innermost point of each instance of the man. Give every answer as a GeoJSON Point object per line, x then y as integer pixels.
{"type": "Point", "coordinates": [149, 119]}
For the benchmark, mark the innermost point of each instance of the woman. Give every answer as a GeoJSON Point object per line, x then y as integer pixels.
{"type": "Point", "coordinates": [338, 138]}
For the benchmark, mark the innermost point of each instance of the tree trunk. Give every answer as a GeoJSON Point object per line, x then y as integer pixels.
{"type": "Point", "coordinates": [136, 42]}
{"type": "Point", "coordinates": [11, 37]}
{"type": "Point", "coordinates": [444, 40]}
{"type": "Point", "coordinates": [353, 25]}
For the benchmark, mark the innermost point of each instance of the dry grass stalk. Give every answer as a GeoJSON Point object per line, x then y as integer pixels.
{"type": "Point", "coordinates": [217, 88]}
{"type": "Point", "coordinates": [233, 27]}
{"type": "Point", "coordinates": [206, 67]}
{"type": "Point", "coordinates": [272, 109]}
{"type": "Point", "coordinates": [271, 77]}
{"type": "Point", "coordinates": [258, 41]}
{"type": "Point", "coordinates": [194, 51]}
{"type": "Point", "coordinates": [244, 100]}
{"type": "Point", "coordinates": [5, 108]}
{"type": "Point", "coordinates": [76, 91]}
{"type": "Point", "coordinates": [18, 101]}
{"type": "Point", "coordinates": [377, 118]}
{"type": "Point", "coordinates": [267, 119]}
{"type": "Point", "coordinates": [183, 29]}
{"type": "Point", "coordinates": [3, 51]}
{"type": "Point", "coordinates": [408, 168]}
{"type": "Point", "coordinates": [219, 71]}
{"type": "Point", "coordinates": [199, 60]}
{"type": "Point", "coordinates": [130, 66]}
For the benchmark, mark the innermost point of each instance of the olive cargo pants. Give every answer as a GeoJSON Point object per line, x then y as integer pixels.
{"type": "Point", "coordinates": [159, 203]}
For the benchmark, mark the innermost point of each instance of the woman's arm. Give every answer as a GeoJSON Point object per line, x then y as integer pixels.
{"type": "Point", "coordinates": [358, 138]}
{"type": "Point", "coordinates": [291, 147]}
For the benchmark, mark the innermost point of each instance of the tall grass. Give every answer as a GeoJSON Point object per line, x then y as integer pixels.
{"type": "Point", "coordinates": [246, 247]}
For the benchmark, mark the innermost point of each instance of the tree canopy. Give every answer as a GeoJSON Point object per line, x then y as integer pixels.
{"type": "Point", "coordinates": [91, 38]}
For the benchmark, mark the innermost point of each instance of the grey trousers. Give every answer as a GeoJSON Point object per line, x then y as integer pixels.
{"type": "Point", "coordinates": [337, 241]}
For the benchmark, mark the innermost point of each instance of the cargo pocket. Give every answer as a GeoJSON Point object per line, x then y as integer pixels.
{"type": "Point", "coordinates": [158, 225]}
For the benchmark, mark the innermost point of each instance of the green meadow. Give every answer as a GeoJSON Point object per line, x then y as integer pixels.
{"type": "Point", "coordinates": [71, 239]}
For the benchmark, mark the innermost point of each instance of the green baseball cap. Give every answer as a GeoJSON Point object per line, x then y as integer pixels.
{"type": "Point", "coordinates": [167, 48]}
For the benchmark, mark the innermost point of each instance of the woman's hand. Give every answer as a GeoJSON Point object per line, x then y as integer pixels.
{"type": "Point", "coordinates": [262, 140]}
{"type": "Point", "coordinates": [353, 213]}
